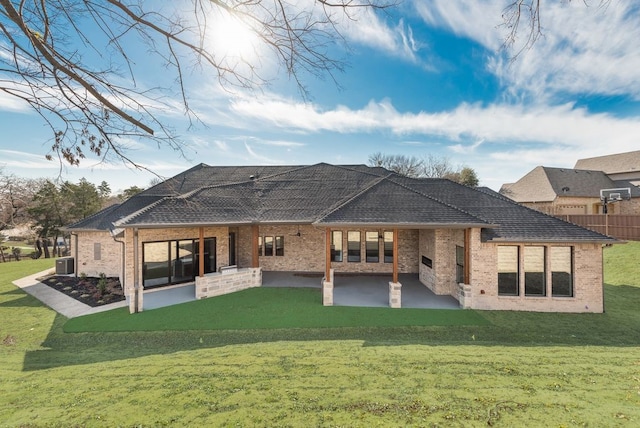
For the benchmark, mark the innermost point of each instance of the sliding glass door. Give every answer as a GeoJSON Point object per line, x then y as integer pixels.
{"type": "Point", "coordinates": [176, 261]}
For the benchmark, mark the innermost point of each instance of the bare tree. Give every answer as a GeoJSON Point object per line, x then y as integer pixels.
{"type": "Point", "coordinates": [72, 61]}
{"type": "Point", "coordinates": [410, 166]}
{"type": "Point", "coordinates": [437, 167]}
{"type": "Point", "coordinates": [524, 16]}
{"type": "Point", "coordinates": [15, 196]}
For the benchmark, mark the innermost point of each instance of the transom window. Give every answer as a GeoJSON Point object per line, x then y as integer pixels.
{"type": "Point", "coordinates": [271, 246]}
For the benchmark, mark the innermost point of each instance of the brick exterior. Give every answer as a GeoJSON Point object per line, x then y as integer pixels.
{"type": "Point", "coordinates": [307, 253]}
{"type": "Point", "coordinates": [440, 246]}
{"type": "Point", "coordinates": [92, 260]}
{"type": "Point", "coordinates": [482, 293]}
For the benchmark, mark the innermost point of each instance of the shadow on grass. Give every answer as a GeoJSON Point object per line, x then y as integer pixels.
{"type": "Point", "coordinates": [619, 326]}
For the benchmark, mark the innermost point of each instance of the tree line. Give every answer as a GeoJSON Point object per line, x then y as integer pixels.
{"type": "Point", "coordinates": [425, 167]}
{"type": "Point", "coordinates": [46, 206]}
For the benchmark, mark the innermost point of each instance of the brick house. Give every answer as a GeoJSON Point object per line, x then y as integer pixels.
{"type": "Point", "coordinates": [221, 227]}
{"type": "Point", "coordinates": [618, 166]}
{"type": "Point", "coordinates": [562, 191]}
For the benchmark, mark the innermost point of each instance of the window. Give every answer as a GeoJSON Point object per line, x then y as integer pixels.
{"type": "Point", "coordinates": [459, 264]}
{"type": "Point", "coordinates": [508, 268]}
{"type": "Point", "coordinates": [268, 245]}
{"type": "Point", "coordinates": [279, 245]}
{"type": "Point", "coordinates": [353, 246]}
{"type": "Point", "coordinates": [372, 247]}
{"type": "Point", "coordinates": [173, 262]}
{"type": "Point", "coordinates": [561, 265]}
{"type": "Point", "coordinates": [336, 246]}
{"type": "Point", "coordinates": [260, 246]}
{"type": "Point", "coordinates": [534, 271]}
{"type": "Point", "coordinates": [388, 247]}
{"type": "Point", "coordinates": [97, 251]}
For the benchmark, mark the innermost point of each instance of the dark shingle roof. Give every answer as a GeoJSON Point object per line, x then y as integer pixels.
{"type": "Point", "coordinates": [328, 195]}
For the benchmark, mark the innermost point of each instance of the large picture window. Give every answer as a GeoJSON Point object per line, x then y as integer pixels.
{"type": "Point", "coordinates": [508, 268]}
{"type": "Point", "coordinates": [268, 245]}
{"type": "Point", "coordinates": [459, 264]}
{"type": "Point", "coordinates": [372, 247]}
{"type": "Point", "coordinates": [561, 265]}
{"type": "Point", "coordinates": [535, 283]}
{"type": "Point", "coordinates": [336, 246]}
{"type": "Point", "coordinates": [279, 245]}
{"type": "Point", "coordinates": [353, 246]}
{"type": "Point", "coordinates": [174, 262]}
{"type": "Point", "coordinates": [388, 247]}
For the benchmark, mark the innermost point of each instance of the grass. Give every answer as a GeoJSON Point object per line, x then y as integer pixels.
{"type": "Point", "coordinates": [516, 369]}
{"type": "Point", "coordinates": [265, 308]}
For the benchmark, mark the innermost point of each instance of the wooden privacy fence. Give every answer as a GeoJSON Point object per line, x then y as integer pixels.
{"type": "Point", "coordinates": [619, 226]}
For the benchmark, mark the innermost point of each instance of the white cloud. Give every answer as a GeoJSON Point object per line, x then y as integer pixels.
{"type": "Point", "coordinates": [497, 123]}
{"type": "Point", "coordinates": [585, 48]}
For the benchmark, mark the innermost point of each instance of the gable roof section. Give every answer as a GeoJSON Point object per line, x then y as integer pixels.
{"type": "Point", "coordinates": [612, 164]}
{"type": "Point", "coordinates": [514, 222]}
{"type": "Point", "coordinates": [389, 202]}
{"type": "Point", "coordinates": [544, 184]}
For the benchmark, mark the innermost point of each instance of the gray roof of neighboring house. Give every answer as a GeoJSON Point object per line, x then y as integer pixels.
{"type": "Point", "coordinates": [612, 164]}
{"type": "Point", "coordinates": [544, 184]}
{"type": "Point", "coordinates": [331, 195]}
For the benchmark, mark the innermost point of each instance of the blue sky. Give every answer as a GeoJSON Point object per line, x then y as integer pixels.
{"type": "Point", "coordinates": [427, 78]}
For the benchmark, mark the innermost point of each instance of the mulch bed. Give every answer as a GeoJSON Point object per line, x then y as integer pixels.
{"type": "Point", "coordinates": [89, 290]}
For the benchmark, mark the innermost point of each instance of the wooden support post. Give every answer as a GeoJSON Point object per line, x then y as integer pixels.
{"type": "Point", "coordinates": [395, 255]}
{"type": "Point", "coordinates": [255, 257]}
{"type": "Point", "coordinates": [327, 263]}
{"type": "Point", "coordinates": [201, 253]}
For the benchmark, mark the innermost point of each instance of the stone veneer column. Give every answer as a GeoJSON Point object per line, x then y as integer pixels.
{"type": "Point", "coordinates": [327, 290]}
{"type": "Point", "coordinates": [395, 295]}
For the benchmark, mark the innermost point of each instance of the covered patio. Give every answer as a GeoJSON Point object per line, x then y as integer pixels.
{"type": "Point", "coordinates": [365, 290]}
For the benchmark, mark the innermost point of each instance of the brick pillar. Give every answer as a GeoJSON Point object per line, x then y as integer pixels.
{"type": "Point", "coordinates": [395, 295]}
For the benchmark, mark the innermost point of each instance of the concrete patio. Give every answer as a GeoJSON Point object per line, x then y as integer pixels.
{"type": "Point", "coordinates": [365, 290]}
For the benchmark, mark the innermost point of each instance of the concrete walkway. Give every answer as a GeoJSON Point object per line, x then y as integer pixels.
{"type": "Point", "coordinates": [59, 302]}
{"type": "Point", "coordinates": [349, 290]}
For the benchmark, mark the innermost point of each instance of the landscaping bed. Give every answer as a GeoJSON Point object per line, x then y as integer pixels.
{"type": "Point", "coordinates": [93, 291]}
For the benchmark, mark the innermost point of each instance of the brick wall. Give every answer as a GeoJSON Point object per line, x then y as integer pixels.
{"type": "Point", "coordinates": [588, 288]}
{"type": "Point", "coordinates": [97, 253]}
{"type": "Point", "coordinates": [440, 246]}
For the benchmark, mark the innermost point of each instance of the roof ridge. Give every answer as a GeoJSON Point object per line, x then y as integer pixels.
{"type": "Point", "coordinates": [136, 213]}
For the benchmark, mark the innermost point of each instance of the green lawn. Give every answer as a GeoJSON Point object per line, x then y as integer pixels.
{"type": "Point", "coordinates": [496, 369]}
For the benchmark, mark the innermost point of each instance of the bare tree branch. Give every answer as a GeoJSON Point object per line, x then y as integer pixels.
{"type": "Point", "coordinates": [73, 78]}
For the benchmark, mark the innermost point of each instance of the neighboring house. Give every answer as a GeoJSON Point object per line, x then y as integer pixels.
{"type": "Point", "coordinates": [619, 166]}
{"type": "Point", "coordinates": [220, 227]}
{"type": "Point", "coordinates": [562, 191]}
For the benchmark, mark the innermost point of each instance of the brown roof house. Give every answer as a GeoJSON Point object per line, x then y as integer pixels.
{"type": "Point", "coordinates": [562, 191]}
{"type": "Point", "coordinates": [619, 166]}
{"type": "Point", "coordinates": [223, 228]}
